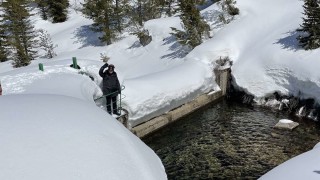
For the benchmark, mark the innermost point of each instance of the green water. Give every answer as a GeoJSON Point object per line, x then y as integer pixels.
{"type": "Point", "coordinates": [230, 141]}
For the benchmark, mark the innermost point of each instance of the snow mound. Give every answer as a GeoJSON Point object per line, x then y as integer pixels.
{"type": "Point", "coordinates": [304, 166]}
{"type": "Point", "coordinates": [59, 137]}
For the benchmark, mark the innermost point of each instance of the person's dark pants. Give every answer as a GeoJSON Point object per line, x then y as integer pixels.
{"type": "Point", "coordinates": [113, 101]}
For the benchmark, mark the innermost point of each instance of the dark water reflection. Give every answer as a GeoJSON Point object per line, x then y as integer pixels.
{"type": "Point", "coordinates": [230, 141]}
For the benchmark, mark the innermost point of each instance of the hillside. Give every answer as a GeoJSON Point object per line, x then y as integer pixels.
{"type": "Point", "coordinates": [261, 43]}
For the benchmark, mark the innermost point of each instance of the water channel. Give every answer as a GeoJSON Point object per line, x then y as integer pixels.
{"type": "Point", "coordinates": [230, 141]}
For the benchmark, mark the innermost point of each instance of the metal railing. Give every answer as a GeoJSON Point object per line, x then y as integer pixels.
{"type": "Point", "coordinates": [119, 100]}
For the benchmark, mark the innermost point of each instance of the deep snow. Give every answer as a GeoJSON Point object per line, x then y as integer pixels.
{"type": "Point", "coordinates": [60, 137]}
{"type": "Point", "coordinates": [261, 42]}
{"type": "Point", "coordinates": [304, 166]}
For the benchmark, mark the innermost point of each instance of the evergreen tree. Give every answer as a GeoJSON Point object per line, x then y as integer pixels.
{"type": "Point", "coordinates": [121, 8]}
{"type": "Point", "coordinates": [137, 13]}
{"type": "Point", "coordinates": [20, 33]}
{"type": "Point", "coordinates": [101, 12]}
{"type": "Point", "coordinates": [167, 6]}
{"type": "Point", "coordinates": [144, 10]}
{"type": "Point", "coordinates": [153, 9]}
{"type": "Point", "coordinates": [310, 25]}
{"type": "Point", "coordinates": [229, 6]}
{"type": "Point", "coordinates": [58, 10]}
{"type": "Point", "coordinates": [43, 6]}
{"type": "Point", "coordinates": [195, 28]}
{"type": "Point", "coordinates": [3, 45]}
{"type": "Point", "coordinates": [108, 17]}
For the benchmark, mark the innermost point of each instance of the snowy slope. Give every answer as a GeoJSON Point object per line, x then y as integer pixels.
{"type": "Point", "coordinates": [59, 137]}
{"type": "Point", "coordinates": [156, 70]}
{"type": "Point", "coordinates": [262, 43]}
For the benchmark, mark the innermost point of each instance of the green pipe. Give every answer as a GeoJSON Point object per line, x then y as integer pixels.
{"type": "Point", "coordinates": [74, 62]}
{"type": "Point", "coordinates": [41, 67]}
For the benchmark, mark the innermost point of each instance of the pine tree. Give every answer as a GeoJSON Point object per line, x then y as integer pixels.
{"type": "Point", "coordinates": [137, 13]}
{"type": "Point", "coordinates": [3, 45]}
{"type": "Point", "coordinates": [152, 9]}
{"type": "Point", "coordinates": [20, 33]}
{"type": "Point", "coordinates": [58, 10]}
{"type": "Point", "coordinates": [167, 6]}
{"type": "Point", "coordinates": [144, 10]}
{"type": "Point", "coordinates": [310, 25]}
{"type": "Point", "coordinates": [108, 17]}
{"type": "Point", "coordinates": [43, 6]}
{"type": "Point", "coordinates": [195, 28]}
{"type": "Point", "coordinates": [100, 11]}
{"type": "Point", "coordinates": [121, 9]}
{"type": "Point", "coordinates": [229, 6]}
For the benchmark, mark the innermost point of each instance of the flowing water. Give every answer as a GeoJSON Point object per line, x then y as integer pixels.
{"type": "Point", "coordinates": [230, 141]}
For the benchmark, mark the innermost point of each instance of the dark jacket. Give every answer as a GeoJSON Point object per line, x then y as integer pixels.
{"type": "Point", "coordinates": [110, 83]}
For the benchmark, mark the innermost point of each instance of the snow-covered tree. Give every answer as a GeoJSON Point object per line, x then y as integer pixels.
{"type": "Point", "coordinates": [231, 8]}
{"type": "Point", "coordinates": [46, 43]}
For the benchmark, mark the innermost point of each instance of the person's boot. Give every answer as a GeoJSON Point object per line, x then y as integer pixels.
{"type": "Point", "coordinates": [116, 113]}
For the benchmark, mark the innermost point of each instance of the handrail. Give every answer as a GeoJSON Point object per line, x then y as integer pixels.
{"type": "Point", "coordinates": [122, 88]}
{"type": "Point", "coordinates": [122, 96]}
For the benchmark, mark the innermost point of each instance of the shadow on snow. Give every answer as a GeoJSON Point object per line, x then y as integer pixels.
{"type": "Point", "coordinates": [179, 51]}
{"type": "Point", "coordinates": [290, 42]}
{"type": "Point", "coordinates": [87, 37]}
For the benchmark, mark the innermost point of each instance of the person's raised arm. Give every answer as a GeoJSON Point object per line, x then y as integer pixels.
{"type": "Point", "coordinates": [102, 69]}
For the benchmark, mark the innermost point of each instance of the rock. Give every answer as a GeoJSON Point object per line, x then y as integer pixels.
{"type": "Point", "coordinates": [286, 124]}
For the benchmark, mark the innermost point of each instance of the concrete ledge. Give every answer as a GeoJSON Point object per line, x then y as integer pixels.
{"type": "Point", "coordinates": [158, 122]}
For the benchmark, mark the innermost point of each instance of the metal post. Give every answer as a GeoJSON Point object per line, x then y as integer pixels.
{"type": "Point", "coordinates": [120, 103]}
{"type": "Point", "coordinates": [41, 67]}
{"type": "Point", "coordinates": [0, 89]}
{"type": "Point", "coordinates": [74, 62]}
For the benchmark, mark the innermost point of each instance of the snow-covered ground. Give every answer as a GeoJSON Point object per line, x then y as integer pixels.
{"type": "Point", "coordinates": [261, 42]}
{"type": "Point", "coordinates": [61, 137]}
{"type": "Point", "coordinates": [304, 166]}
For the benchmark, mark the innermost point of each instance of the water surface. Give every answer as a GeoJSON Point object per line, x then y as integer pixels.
{"type": "Point", "coordinates": [230, 141]}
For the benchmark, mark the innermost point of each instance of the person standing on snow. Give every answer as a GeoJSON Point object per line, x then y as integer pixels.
{"type": "Point", "coordinates": [110, 86]}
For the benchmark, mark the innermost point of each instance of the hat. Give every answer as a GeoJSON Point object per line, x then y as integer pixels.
{"type": "Point", "coordinates": [111, 66]}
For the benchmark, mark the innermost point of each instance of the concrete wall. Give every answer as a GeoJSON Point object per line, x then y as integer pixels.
{"type": "Point", "coordinates": [222, 78]}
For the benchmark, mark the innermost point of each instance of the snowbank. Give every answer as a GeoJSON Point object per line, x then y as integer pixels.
{"type": "Point", "coordinates": [59, 137]}
{"type": "Point", "coordinates": [57, 78]}
{"type": "Point", "coordinates": [262, 43]}
{"type": "Point", "coordinates": [304, 166]}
